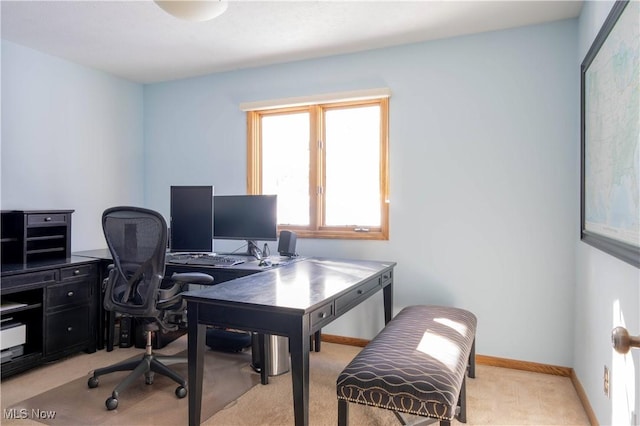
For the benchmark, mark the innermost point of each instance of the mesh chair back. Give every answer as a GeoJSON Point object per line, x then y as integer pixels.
{"type": "Point", "coordinates": [137, 240]}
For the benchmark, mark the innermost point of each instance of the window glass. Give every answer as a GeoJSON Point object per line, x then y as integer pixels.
{"type": "Point", "coordinates": [285, 165]}
{"type": "Point", "coordinates": [352, 188]}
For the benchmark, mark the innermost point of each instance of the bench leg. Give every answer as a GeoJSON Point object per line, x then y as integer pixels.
{"type": "Point", "coordinates": [343, 412]}
{"type": "Point", "coordinates": [462, 402]}
{"type": "Point", "coordinates": [472, 361]}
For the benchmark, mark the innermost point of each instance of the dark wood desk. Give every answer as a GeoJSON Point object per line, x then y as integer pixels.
{"type": "Point", "coordinates": [295, 301]}
{"type": "Point", "coordinates": [105, 319]}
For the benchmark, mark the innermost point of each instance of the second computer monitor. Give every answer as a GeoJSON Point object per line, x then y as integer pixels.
{"type": "Point", "coordinates": [191, 219]}
{"type": "Point", "coordinates": [245, 217]}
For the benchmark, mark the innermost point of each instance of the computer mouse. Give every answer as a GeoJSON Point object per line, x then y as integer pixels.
{"type": "Point", "coordinates": [264, 262]}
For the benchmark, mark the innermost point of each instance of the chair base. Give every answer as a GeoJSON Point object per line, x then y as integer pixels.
{"type": "Point", "coordinates": [147, 366]}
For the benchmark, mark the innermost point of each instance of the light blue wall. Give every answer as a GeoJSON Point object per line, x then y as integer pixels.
{"type": "Point", "coordinates": [607, 295]}
{"type": "Point", "coordinates": [484, 176]}
{"type": "Point", "coordinates": [484, 189]}
{"type": "Point", "coordinates": [72, 138]}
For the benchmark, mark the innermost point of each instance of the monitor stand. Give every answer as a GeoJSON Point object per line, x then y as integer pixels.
{"type": "Point", "coordinates": [253, 249]}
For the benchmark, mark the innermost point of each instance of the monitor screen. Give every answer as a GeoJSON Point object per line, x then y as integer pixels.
{"type": "Point", "coordinates": [191, 219]}
{"type": "Point", "coordinates": [245, 217]}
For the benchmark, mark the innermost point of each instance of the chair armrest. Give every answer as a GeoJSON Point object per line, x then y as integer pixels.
{"type": "Point", "coordinates": [171, 295]}
{"type": "Point", "coordinates": [192, 278]}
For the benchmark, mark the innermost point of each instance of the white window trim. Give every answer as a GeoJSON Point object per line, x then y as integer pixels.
{"type": "Point", "coordinates": [353, 95]}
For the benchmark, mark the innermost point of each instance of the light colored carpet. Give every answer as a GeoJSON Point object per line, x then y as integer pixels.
{"type": "Point", "coordinates": [497, 396]}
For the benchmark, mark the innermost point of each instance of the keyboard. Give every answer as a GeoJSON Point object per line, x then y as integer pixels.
{"type": "Point", "coordinates": [203, 259]}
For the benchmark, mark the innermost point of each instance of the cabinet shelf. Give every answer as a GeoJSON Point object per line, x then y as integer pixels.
{"type": "Point", "coordinates": [21, 363]}
{"type": "Point", "coordinates": [28, 357]}
{"type": "Point", "coordinates": [21, 308]}
{"type": "Point", "coordinates": [47, 250]}
{"type": "Point", "coordinates": [34, 355]}
{"type": "Point", "coordinates": [46, 237]}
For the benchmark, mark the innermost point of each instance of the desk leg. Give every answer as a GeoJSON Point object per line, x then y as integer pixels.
{"type": "Point", "coordinates": [317, 338]}
{"type": "Point", "coordinates": [299, 345]}
{"type": "Point", "coordinates": [265, 358]}
{"type": "Point", "coordinates": [388, 302]}
{"type": "Point", "coordinates": [195, 347]}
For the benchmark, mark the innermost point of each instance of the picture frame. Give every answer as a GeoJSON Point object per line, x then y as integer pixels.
{"type": "Point", "coordinates": [610, 133]}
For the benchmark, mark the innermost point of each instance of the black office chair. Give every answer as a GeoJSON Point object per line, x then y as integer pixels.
{"type": "Point", "coordinates": [136, 287]}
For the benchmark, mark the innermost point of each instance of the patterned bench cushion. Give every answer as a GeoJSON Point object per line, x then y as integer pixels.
{"type": "Point", "coordinates": [416, 364]}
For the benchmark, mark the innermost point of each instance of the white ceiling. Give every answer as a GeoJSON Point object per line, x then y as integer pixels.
{"type": "Point", "coordinates": [137, 40]}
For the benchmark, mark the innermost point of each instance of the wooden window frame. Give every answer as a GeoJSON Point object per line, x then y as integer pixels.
{"type": "Point", "coordinates": [315, 229]}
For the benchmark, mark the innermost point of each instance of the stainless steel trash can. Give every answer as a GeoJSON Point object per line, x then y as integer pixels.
{"type": "Point", "coordinates": [278, 349]}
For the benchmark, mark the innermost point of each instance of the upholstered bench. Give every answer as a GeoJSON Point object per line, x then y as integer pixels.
{"type": "Point", "coordinates": [415, 365]}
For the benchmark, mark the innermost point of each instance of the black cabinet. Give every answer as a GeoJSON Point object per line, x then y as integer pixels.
{"type": "Point", "coordinates": [56, 303]}
{"type": "Point", "coordinates": [49, 299]}
{"type": "Point", "coordinates": [35, 235]}
{"type": "Point", "coordinates": [70, 310]}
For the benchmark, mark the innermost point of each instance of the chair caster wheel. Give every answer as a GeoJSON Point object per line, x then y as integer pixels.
{"type": "Point", "coordinates": [93, 382]}
{"type": "Point", "coordinates": [181, 391]}
{"type": "Point", "coordinates": [111, 403]}
{"type": "Point", "coordinates": [148, 378]}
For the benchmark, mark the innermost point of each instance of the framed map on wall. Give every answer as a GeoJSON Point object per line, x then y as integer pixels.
{"type": "Point", "coordinates": [610, 136]}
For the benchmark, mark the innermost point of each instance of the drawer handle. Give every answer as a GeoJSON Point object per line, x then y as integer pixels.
{"type": "Point", "coordinates": [70, 294]}
{"type": "Point", "coordinates": [322, 315]}
{"type": "Point", "coordinates": [69, 328]}
{"type": "Point", "coordinates": [385, 277]}
{"type": "Point", "coordinates": [76, 272]}
{"type": "Point", "coordinates": [360, 291]}
{"type": "Point", "coordinates": [47, 219]}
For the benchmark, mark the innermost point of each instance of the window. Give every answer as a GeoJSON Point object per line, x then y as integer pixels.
{"type": "Point", "coordinates": [328, 164]}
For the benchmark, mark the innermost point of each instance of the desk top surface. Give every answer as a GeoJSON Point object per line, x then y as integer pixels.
{"type": "Point", "coordinates": [250, 264]}
{"type": "Point", "coordinates": [300, 285]}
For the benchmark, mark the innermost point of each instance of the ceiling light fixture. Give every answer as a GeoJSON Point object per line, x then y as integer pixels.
{"type": "Point", "coordinates": [194, 10]}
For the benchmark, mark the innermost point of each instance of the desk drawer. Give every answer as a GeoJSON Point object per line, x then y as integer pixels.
{"type": "Point", "coordinates": [54, 219]}
{"type": "Point", "coordinates": [355, 296]}
{"type": "Point", "coordinates": [72, 293]}
{"type": "Point", "coordinates": [30, 280]}
{"type": "Point", "coordinates": [387, 277]}
{"type": "Point", "coordinates": [321, 316]}
{"type": "Point", "coordinates": [78, 271]}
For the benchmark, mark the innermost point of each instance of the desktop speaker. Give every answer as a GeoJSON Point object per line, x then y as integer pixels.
{"type": "Point", "coordinates": [287, 243]}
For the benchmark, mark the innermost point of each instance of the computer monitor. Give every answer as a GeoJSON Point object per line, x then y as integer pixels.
{"type": "Point", "coordinates": [191, 223]}
{"type": "Point", "coordinates": [246, 217]}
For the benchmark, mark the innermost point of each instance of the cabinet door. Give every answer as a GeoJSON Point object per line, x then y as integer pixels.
{"type": "Point", "coordinates": [67, 329]}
